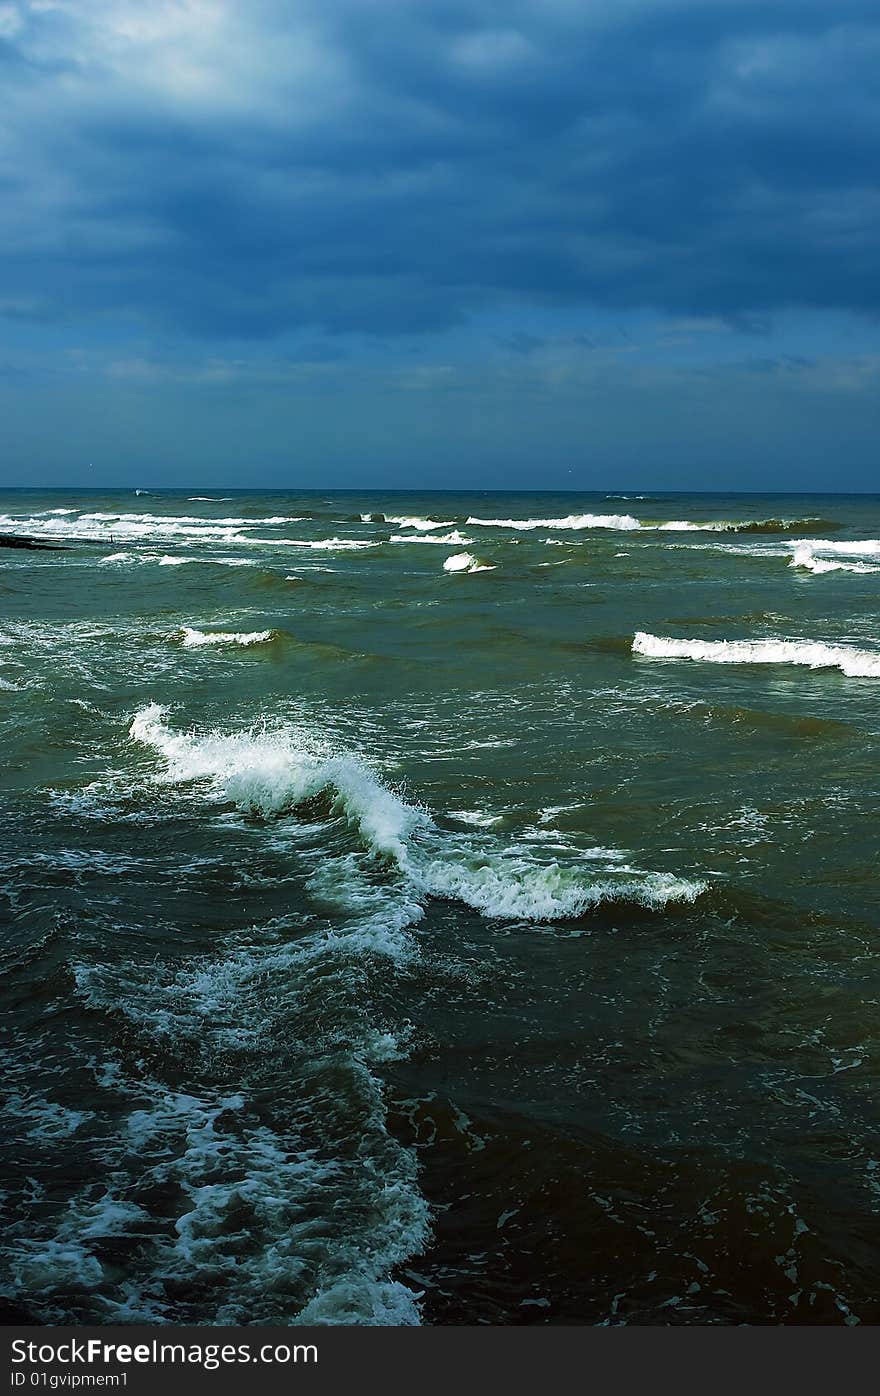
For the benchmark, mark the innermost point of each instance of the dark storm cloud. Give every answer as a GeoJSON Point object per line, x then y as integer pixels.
{"type": "Point", "coordinates": [394, 166]}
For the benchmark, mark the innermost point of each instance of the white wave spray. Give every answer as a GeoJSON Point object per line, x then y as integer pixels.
{"type": "Point", "coordinates": [809, 654]}
{"type": "Point", "coordinates": [273, 771]}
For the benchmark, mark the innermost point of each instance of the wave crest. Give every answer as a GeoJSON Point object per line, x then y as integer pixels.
{"type": "Point", "coordinates": [809, 654]}
{"type": "Point", "coordinates": [804, 557]}
{"type": "Point", "coordinates": [273, 771]}
{"type": "Point", "coordinates": [571, 521]}
{"type": "Point", "coordinates": [466, 562]}
{"type": "Point", "coordinates": [196, 639]}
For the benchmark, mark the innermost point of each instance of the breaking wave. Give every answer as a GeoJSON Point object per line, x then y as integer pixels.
{"type": "Point", "coordinates": [330, 545]}
{"type": "Point", "coordinates": [864, 547]}
{"type": "Point", "coordinates": [127, 528]}
{"type": "Point", "coordinates": [194, 639]}
{"type": "Point", "coordinates": [271, 772]}
{"type": "Point", "coordinates": [851, 661]}
{"type": "Point", "coordinates": [804, 556]}
{"type": "Point", "coordinates": [411, 521]}
{"type": "Point", "coordinates": [453, 539]}
{"type": "Point", "coordinates": [466, 562]}
{"type": "Point", "coordinates": [780, 526]}
{"type": "Point", "coordinates": [627, 523]}
{"type": "Point", "coordinates": [571, 521]}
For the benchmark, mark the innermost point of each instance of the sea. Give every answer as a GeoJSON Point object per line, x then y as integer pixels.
{"type": "Point", "coordinates": [439, 908]}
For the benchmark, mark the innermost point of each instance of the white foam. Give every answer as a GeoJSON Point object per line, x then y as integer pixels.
{"type": "Point", "coordinates": [804, 556]}
{"type": "Point", "coordinates": [414, 521]}
{"type": "Point", "coordinates": [465, 562]}
{"type": "Point", "coordinates": [118, 559]}
{"type": "Point", "coordinates": [271, 771]}
{"type": "Point", "coordinates": [335, 545]}
{"type": "Point", "coordinates": [130, 527]}
{"type": "Point", "coordinates": [810, 654]}
{"type": "Point", "coordinates": [477, 818]}
{"type": "Point", "coordinates": [571, 521]}
{"type": "Point", "coordinates": [273, 1225]}
{"type": "Point", "coordinates": [168, 561]}
{"type": "Point", "coordinates": [507, 886]}
{"type": "Point", "coordinates": [768, 526]}
{"type": "Point", "coordinates": [628, 523]}
{"type": "Point", "coordinates": [454, 539]}
{"type": "Point", "coordinates": [194, 639]}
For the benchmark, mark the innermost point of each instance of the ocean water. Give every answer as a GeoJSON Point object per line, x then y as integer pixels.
{"type": "Point", "coordinates": [440, 908]}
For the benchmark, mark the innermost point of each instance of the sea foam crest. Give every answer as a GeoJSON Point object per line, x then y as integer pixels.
{"type": "Point", "coordinates": [330, 545]}
{"type": "Point", "coordinates": [804, 556]}
{"type": "Point", "coordinates": [414, 521]}
{"type": "Point", "coordinates": [453, 539]}
{"type": "Point", "coordinates": [466, 562]}
{"type": "Point", "coordinates": [132, 527]}
{"type": "Point", "coordinates": [571, 521]}
{"type": "Point", "coordinates": [810, 654]}
{"type": "Point", "coordinates": [195, 639]}
{"type": "Point", "coordinates": [271, 771]}
{"type": "Point", "coordinates": [628, 523]}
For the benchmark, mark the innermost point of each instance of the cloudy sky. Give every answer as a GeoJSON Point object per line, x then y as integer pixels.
{"type": "Point", "coordinates": [533, 243]}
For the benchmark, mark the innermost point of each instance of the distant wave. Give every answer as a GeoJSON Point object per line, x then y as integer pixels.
{"type": "Point", "coordinates": [864, 547]}
{"type": "Point", "coordinates": [571, 521]}
{"type": "Point", "coordinates": [804, 557]}
{"type": "Point", "coordinates": [278, 771]}
{"type": "Point", "coordinates": [780, 526]}
{"type": "Point", "coordinates": [118, 559]}
{"type": "Point", "coordinates": [125, 559]}
{"type": "Point", "coordinates": [628, 523]}
{"type": "Point", "coordinates": [770, 526]}
{"type": "Point", "coordinates": [128, 527]}
{"type": "Point", "coordinates": [167, 561]}
{"type": "Point", "coordinates": [450, 539]}
{"type": "Point", "coordinates": [416, 521]}
{"type": "Point", "coordinates": [854, 662]}
{"type": "Point", "coordinates": [336, 545]}
{"type": "Point", "coordinates": [209, 499]}
{"type": "Point", "coordinates": [194, 639]}
{"type": "Point", "coordinates": [466, 562]}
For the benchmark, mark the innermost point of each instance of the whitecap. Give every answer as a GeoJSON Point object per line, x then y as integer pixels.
{"type": "Point", "coordinates": [466, 562]}
{"type": "Point", "coordinates": [804, 557]}
{"type": "Point", "coordinates": [454, 539]}
{"type": "Point", "coordinates": [270, 772]}
{"type": "Point", "coordinates": [415, 521]}
{"type": "Point", "coordinates": [810, 654]}
{"type": "Point", "coordinates": [194, 639]}
{"type": "Point", "coordinates": [337, 545]}
{"type": "Point", "coordinates": [571, 521]}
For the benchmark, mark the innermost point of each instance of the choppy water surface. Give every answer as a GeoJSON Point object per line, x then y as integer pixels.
{"type": "Point", "coordinates": [443, 909]}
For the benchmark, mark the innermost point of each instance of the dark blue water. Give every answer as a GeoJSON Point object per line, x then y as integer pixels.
{"type": "Point", "coordinates": [440, 908]}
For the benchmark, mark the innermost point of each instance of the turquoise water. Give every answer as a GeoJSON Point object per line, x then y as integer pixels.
{"type": "Point", "coordinates": [440, 908]}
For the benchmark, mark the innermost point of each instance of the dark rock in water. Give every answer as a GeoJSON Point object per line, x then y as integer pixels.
{"type": "Point", "coordinates": [17, 540]}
